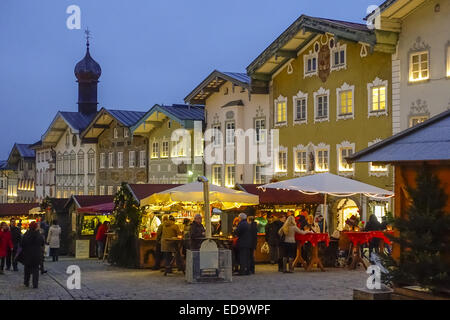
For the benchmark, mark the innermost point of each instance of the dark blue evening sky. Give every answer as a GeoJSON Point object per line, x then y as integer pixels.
{"type": "Point", "coordinates": [150, 51]}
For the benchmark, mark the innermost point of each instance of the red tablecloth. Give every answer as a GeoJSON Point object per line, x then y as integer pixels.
{"type": "Point", "coordinates": [359, 237]}
{"type": "Point", "coordinates": [313, 238]}
{"type": "Point", "coordinates": [381, 235]}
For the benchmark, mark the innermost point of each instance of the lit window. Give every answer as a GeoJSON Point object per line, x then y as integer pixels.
{"type": "Point", "coordinates": [448, 61]}
{"type": "Point", "coordinates": [282, 161]}
{"type": "Point", "coordinates": [230, 180]}
{"type": "Point", "coordinates": [414, 120]}
{"type": "Point", "coordinates": [259, 178]}
{"type": "Point", "coordinates": [376, 167]}
{"type": "Point", "coordinates": [155, 150]}
{"type": "Point", "coordinates": [322, 160]}
{"type": "Point", "coordinates": [230, 133]}
{"type": "Point", "coordinates": [110, 190]}
{"type": "Point", "coordinates": [378, 99]}
{"type": "Point", "coordinates": [281, 112]}
{"type": "Point", "coordinates": [165, 149]}
{"type": "Point", "coordinates": [217, 175]}
{"type": "Point", "coordinates": [419, 67]}
{"type": "Point", "coordinates": [300, 161]}
{"type": "Point", "coordinates": [345, 152]}
{"type": "Point", "coordinates": [346, 102]}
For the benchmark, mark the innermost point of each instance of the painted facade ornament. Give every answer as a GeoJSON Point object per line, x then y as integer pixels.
{"type": "Point", "coordinates": [290, 69]}
{"type": "Point", "coordinates": [419, 45]}
{"type": "Point", "coordinates": [419, 108]}
{"type": "Point", "coordinates": [363, 52]}
{"type": "Point", "coordinates": [259, 112]}
{"type": "Point", "coordinates": [324, 62]}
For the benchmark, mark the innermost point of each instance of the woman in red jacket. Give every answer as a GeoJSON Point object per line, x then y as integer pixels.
{"type": "Point", "coordinates": [5, 244]}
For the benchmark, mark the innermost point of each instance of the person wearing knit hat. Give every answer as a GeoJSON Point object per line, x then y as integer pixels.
{"type": "Point", "coordinates": [243, 216]}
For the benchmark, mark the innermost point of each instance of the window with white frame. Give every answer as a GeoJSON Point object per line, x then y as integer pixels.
{"type": "Point", "coordinates": [230, 174]}
{"type": "Point", "coordinates": [300, 159]}
{"type": "Point", "coordinates": [345, 98]}
{"type": "Point", "coordinates": [110, 190]}
{"type": "Point", "coordinates": [344, 150]}
{"type": "Point", "coordinates": [217, 175]}
{"type": "Point", "coordinates": [101, 190]}
{"type": "Point", "coordinates": [155, 150]}
{"type": "Point", "coordinates": [377, 95]}
{"type": "Point", "coordinates": [132, 159]}
{"type": "Point", "coordinates": [111, 160]}
{"type": "Point", "coordinates": [80, 162]}
{"type": "Point", "coordinates": [119, 159]}
{"type": "Point", "coordinates": [419, 66]}
{"type": "Point", "coordinates": [310, 62]}
{"type": "Point", "coordinates": [260, 130]}
{"type": "Point", "coordinates": [259, 177]}
{"type": "Point", "coordinates": [102, 160]}
{"type": "Point", "coordinates": [142, 159]}
{"type": "Point", "coordinates": [280, 110]}
{"type": "Point", "coordinates": [282, 160]}
{"type": "Point", "coordinates": [217, 135]}
{"type": "Point", "coordinates": [165, 149]}
{"type": "Point", "coordinates": [322, 158]}
{"type": "Point", "coordinates": [414, 120]}
{"type": "Point", "coordinates": [448, 60]}
{"type": "Point", "coordinates": [338, 57]}
{"type": "Point", "coordinates": [116, 133]}
{"type": "Point", "coordinates": [321, 99]}
{"type": "Point", "coordinates": [91, 161]}
{"type": "Point", "coordinates": [230, 133]}
{"type": "Point", "coordinates": [125, 132]}
{"type": "Point", "coordinates": [300, 102]}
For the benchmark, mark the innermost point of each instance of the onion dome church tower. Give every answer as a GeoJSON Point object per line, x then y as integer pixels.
{"type": "Point", "coordinates": [88, 72]}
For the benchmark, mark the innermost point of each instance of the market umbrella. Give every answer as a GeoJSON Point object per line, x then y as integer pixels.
{"type": "Point", "coordinates": [329, 184]}
{"type": "Point", "coordinates": [193, 193]}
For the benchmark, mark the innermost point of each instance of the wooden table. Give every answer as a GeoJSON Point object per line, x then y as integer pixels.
{"type": "Point", "coordinates": [314, 239]}
{"type": "Point", "coordinates": [357, 239]}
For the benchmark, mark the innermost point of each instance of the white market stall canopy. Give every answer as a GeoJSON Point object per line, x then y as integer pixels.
{"type": "Point", "coordinates": [193, 193]}
{"type": "Point", "coordinates": [329, 184]}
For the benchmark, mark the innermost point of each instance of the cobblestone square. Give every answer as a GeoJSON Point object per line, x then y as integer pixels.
{"type": "Point", "coordinates": [100, 281]}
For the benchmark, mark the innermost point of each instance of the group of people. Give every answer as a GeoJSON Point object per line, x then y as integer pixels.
{"type": "Point", "coordinates": [168, 249]}
{"type": "Point", "coordinates": [28, 249]}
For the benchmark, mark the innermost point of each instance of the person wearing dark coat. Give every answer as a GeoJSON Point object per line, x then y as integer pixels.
{"type": "Point", "coordinates": [244, 244]}
{"type": "Point", "coordinates": [254, 238]}
{"type": "Point", "coordinates": [274, 241]}
{"type": "Point", "coordinates": [16, 237]}
{"type": "Point", "coordinates": [32, 243]}
{"type": "Point", "coordinates": [158, 253]}
{"type": "Point", "coordinates": [197, 233]}
{"type": "Point", "coordinates": [373, 225]}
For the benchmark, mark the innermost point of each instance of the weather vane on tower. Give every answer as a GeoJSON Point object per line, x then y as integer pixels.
{"type": "Point", "coordinates": [88, 35]}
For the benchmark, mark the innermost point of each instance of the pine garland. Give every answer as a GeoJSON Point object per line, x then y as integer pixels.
{"type": "Point", "coordinates": [128, 218]}
{"type": "Point", "coordinates": [424, 238]}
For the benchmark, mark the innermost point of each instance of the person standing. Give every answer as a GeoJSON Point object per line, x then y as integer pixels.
{"type": "Point", "coordinates": [254, 239]}
{"type": "Point", "coordinates": [273, 240]}
{"type": "Point", "coordinates": [197, 232]}
{"type": "Point", "coordinates": [16, 237]}
{"type": "Point", "coordinates": [169, 245]}
{"type": "Point", "coordinates": [42, 233]}
{"type": "Point", "coordinates": [373, 225]}
{"type": "Point", "coordinates": [244, 244]}
{"type": "Point", "coordinates": [100, 239]}
{"type": "Point", "coordinates": [158, 254]}
{"type": "Point", "coordinates": [32, 243]}
{"type": "Point", "coordinates": [289, 244]}
{"type": "Point", "coordinates": [5, 244]}
{"type": "Point", "coordinates": [53, 239]}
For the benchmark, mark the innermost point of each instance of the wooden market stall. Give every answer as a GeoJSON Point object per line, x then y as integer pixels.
{"type": "Point", "coordinates": [24, 213]}
{"type": "Point", "coordinates": [83, 224]}
{"type": "Point", "coordinates": [274, 202]}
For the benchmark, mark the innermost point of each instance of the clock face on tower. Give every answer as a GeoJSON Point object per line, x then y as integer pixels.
{"type": "Point", "coordinates": [74, 140]}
